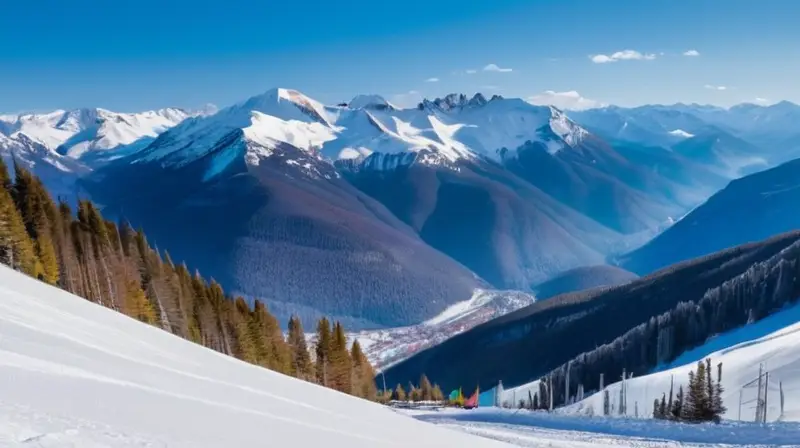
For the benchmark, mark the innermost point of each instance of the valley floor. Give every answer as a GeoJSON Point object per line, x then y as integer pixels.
{"type": "Point", "coordinates": [526, 429]}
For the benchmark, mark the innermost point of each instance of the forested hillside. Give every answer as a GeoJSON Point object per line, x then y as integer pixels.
{"type": "Point", "coordinates": [765, 288]}
{"type": "Point", "coordinates": [527, 344]}
{"type": "Point", "coordinates": [114, 266]}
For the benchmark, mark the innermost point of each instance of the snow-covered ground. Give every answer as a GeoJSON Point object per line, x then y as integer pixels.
{"type": "Point", "coordinates": [74, 374]}
{"type": "Point", "coordinates": [774, 341]}
{"type": "Point", "coordinates": [540, 429]}
{"type": "Point", "coordinates": [387, 347]}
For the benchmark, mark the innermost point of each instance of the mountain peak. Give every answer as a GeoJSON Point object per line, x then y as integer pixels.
{"type": "Point", "coordinates": [454, 101]}
{"type": "Point", "coordinates": [370, 101]}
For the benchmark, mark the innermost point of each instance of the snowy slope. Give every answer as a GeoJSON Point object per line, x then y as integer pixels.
{"type": "Point", "coordinates": [773, 341]}
{"type": "Point", "coordinates": [75, 374]}
{"type": "Point", "coordinates": [541, 429]}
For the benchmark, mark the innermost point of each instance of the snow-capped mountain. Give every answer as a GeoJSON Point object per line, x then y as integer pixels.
{"type": "Point", "coordinates": [443, 130]}
{"type": "Point", "coordinates": [77, 132]}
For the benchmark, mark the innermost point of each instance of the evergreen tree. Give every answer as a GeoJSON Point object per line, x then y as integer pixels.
{"type": "Point", "coordinates": [414, 393]}
{"type": "Point", "coordinates": [662, 408]}
{"type": "Point", "coordinates": [438, 395]}
{"type": "Point", "coordinates": [399, 393]}
{"type": "Point", "coordinates": [323, 350]}
{"type": "Point", "coordinates": [5, 177]}
{"type": "Point", "coordinates": [301, 360]}
{"type": "Point", "coordinates": [657, 409]}
{"type": "Point", "coordinates": [137, 305]}
{"type": "Point", "coordinates": [535, 401]}
{"type": "Point", "coordinates": [363, 374]}
{"type": "Point", "coordinates": [709, 384]}
{"type": "Point", "coordinates": [16, 247]}
{"type": "Point", "coordinates": [688, 408]}
{"type": "Point", "coordinates": [677, 405]}
{"type": "Point", "coordinates": [341, 366]}
{"type": "Point", "coordinates": [425, 388]}
{"type": "Point", "coordinates": [718, 408]}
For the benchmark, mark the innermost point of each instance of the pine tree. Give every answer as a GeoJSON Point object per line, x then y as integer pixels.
{"type": "Point", "coordinates": [718, 408]}
{"type": "Point", "coordinates": [425, 388]}
{"type": "Point", "coordinates": [5, 177]}
{"type": "Point", "coordinates": [302, 367]}
{"type": "Point", "coordinates": [709, 384]}
{"type": "Point", "coordinates": [689, 405]}
{"type": "Point", "coordinates": [363, 374]}
{"type": "Point", "coordinates": [16, 247]}
{"type": "Point", "coordinates": [677, 405]}
{"type": "Point", "coordinates": [137, 305]}
{"type": "Point", "coordinates": [657, 409]}
{"type": "Point", "coordinates": [536, 401]}
{"type": "Point", "coordinates": [399, 393]}
{"type": "Point", "coordinates": [341, 366]}
{"type": "Point", "coordinates": [662, 408]}
{"type": "Point", "coordinates": [438, 395]}
{"type": "Point", "coordinates": [322, 350]}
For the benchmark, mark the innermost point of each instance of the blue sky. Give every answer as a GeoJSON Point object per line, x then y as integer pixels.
{"type": "Point", "coordinates": [129, 56]}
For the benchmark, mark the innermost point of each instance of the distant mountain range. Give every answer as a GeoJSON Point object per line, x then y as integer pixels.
{"type": "Point", "coordinates": [385, 216]}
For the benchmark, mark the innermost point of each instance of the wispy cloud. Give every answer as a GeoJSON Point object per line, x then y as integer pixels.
{"type": "Point", "coordinates": [713, 87]}
{"type": "Point", "coordinates": [760, 100]}
{"type": "Point", "coordinates": [570, 100]}
{"type": "Point", "coordinates": [691, 53]}
{"type": "Point", "coordinates": [470, 71]}
{"type": "Point", "coordinates": [624, 55]}
{"type": "Point", "coordinates": [495, 68]}
{"type": "Point", "coordinates": [432, 80]}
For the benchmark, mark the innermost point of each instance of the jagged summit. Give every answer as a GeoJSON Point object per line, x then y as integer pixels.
{"type": "Point", "coordinates": [455, 101]}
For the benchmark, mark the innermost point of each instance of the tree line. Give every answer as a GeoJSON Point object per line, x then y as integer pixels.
{"type": "Point", "coordinates": [424, 391]}
{"type": "Point", "coordinates": [113, 265]}
{"type": "Point", "coordinates": [764, 288]}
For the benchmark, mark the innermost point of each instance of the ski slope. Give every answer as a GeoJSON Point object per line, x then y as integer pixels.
{"type": "Point", "coordinates": [73, 373]}
{"type": "Point", "coordinates": [773, 341]}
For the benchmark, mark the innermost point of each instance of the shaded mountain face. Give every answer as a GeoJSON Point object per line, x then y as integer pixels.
{"type": "Point", "coordinates": [524, 345]}
{"type": "Point", "coordinates": [506, 230]}
{"type": "Point", "coordinates": [273, 231]}
{"type": "Point", "coordinates": [583, 278]}
{"type": "Point", "coordinates": [748, 209]}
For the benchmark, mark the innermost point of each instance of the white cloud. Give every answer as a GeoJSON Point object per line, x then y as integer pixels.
{"type": "Point", "coordinates": [432, 80]}
{"type": "Point", "coordinates": [570, 100]}
{"type": "Point", "coordinates": [407, 99]}
{"type": "Point", "coordinates": [760, 100]}
{"type": "Point", "coordinates": [471, 71]}
{"type": "Point", "coordinates": [713, 87]}
{"type": "Point", "coordinates": [496, 68]}
{"type": "Point", "coordinates": [691, 53]}
{"type": "Point", "coordinates": [624, 55]}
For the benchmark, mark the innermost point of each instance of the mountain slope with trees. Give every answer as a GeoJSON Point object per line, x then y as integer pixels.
{"type": "Point", "coordinates": [530, 343]}
{"type": "Point", "coordinates": [113, 265]}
